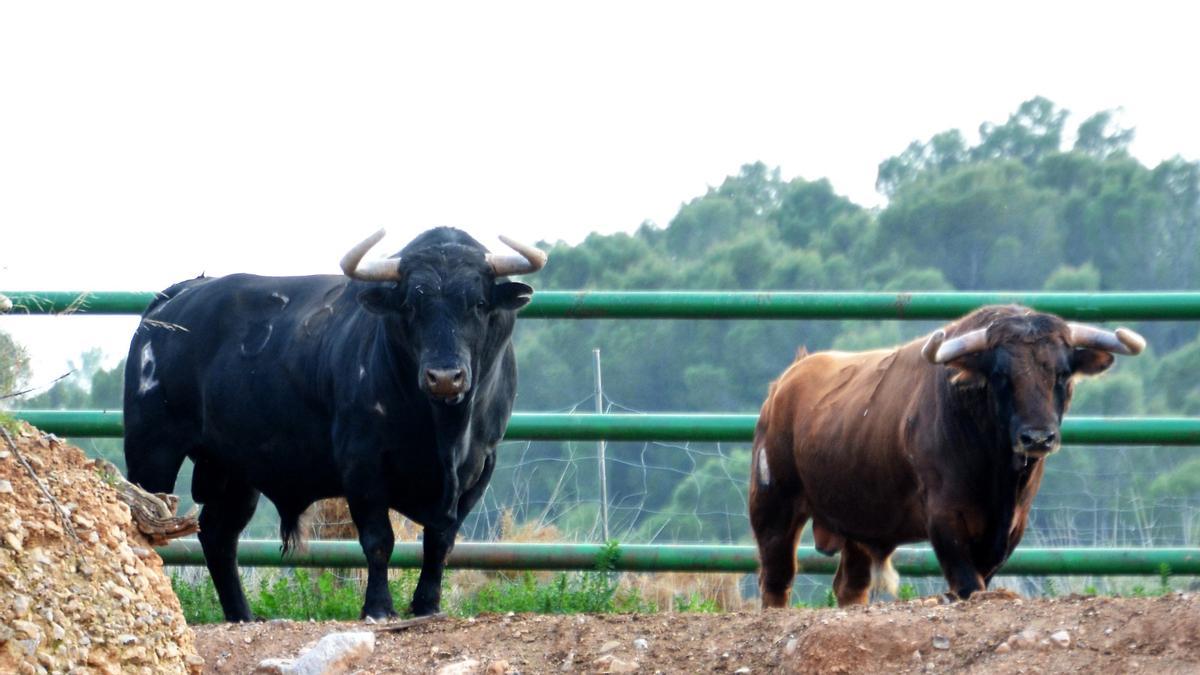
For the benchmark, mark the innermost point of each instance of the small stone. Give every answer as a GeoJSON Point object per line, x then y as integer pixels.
{"type": "Point", "coordinates": [790, 647]}
{"type": "Point", "coordinates": [20, 605]}
{"type": "Point", "coordinates": [1061, 638]}
{"type": "Point", "coordinates": [248, 640]}
{"type": "Point", "coordinates": [641, 644]}
{"type": "Point", "coordinates": [608, 647]}
{"type": "Point", "coordinates": [464, 667]}
{"type": "Point", "coordinates": [916, 655]}
{"type": "Point", "coordinates": [5, 487]}
{"type": "Point", "coordinates": [127, 639]}
{"type": "Point", "coordinates": [13, 541]}
{"type": "Point", "coordinates": [28, 628]}
{"type": "Point", "coordinates": [497, 668]}
{"type": "Point", "coordinates": [741, 670]}
{"type": "Point", "coordinates": [1003, 648]}
{"type": "Point", "coordinates": [611, 664]}
{"type": "Point", "coordinates": [941, 642]}
{"type": "Point", "coordinates": [275, 667]}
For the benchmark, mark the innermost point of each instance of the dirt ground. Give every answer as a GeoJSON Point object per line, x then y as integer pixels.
{"type": "Point", "coordinates": [1069, 634]}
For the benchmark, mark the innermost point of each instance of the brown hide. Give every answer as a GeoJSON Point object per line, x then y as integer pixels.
{"type": "Point", "coordinates": [882, 448]}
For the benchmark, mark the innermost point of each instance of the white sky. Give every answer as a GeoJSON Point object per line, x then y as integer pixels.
{"type": "Point", "coordinates": [143, 143]}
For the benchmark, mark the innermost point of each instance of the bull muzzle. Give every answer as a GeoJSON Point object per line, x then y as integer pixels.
{"type": "Point", "coordinates": [447, 385]}
{"type": "Point", "coordinates": [1036, 442]}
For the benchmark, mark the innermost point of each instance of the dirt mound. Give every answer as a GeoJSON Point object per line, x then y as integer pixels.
{"type": "Point", "coordinates": [78, 585]}
{"type": "Point", "coordinates": [1073, 634]}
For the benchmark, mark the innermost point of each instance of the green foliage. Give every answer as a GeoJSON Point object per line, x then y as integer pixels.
{"type": "Point", "coordinates": [1068, 278]}
{"type": "Point", "coordinates": [906, 592]}
{"type": "Point", "coordinates": [695, 602]}
{"type": "Point", "coordinates": [14, 365]}
{"type": "Point", "coordinates": [296, 595]}
{"type": "Point", "coordinates": [597, 591]}
{"type": "Point", "coordinates": [1182, 481]}
{"type": "Point", "coordinates": [198, 600]}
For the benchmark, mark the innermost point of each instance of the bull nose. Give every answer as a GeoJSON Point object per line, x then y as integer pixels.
{"type": "Point", "coordinates": [445, 382]}
{"type": "Point", "coordinates": [1038, 440]}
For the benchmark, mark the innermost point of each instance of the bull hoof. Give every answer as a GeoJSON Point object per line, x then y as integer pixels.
{"type": "Point", "coordinates": [378, 614]}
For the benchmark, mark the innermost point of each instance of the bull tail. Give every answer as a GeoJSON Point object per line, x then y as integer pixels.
{"type": "Point", "coordinates": [289, 532]}
{"type": "Point", "coordinates": [884, 577]}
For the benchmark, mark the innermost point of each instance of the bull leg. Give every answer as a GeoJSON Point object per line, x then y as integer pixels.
{"type": "Point", "coordinates": [953, 553]}
{"type": "Point", "coordinates": [438, 542]}
{"type": "Point", "coordinates": [228, 506]}
{"type": "Point", "coordinates": [777, 521]}
{"type": "Point", "coordinates": [852, 581]}
{"type": "Point", "coordinates": [377, 540]}
{"type": "Point", "coordinates": [152, 457]}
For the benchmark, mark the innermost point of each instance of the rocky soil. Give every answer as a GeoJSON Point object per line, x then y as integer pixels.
{"type": "Point", "coordinates": [995, 635]}
{"type": "Point", "coordinates": [80, 589]}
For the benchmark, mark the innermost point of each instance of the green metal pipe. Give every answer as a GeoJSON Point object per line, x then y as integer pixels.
{"type": "Point", "coordinates": [676, 427]}
{"type": "Point", "coordinates": [1172, 306]}
{"type": "Point", "coordinates": [690, 558]}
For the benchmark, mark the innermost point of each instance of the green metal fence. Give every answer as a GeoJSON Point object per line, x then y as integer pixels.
{"type": "Point", "coordinates": [719, 428]}
{"type": "Point", "coordinates": [1174, 306]}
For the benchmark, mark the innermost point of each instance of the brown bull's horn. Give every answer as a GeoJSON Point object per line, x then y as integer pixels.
{"type": "Point", "coordinates": [929, 351]}
{"type": "Point", "coordinates": [1122, 341]}
{"type": "Point", "coordinates": [939, 350]}
{"type": "Point", "coordinates": [372, 270]}
{"type": "Point", "coordinates": [531, 259]}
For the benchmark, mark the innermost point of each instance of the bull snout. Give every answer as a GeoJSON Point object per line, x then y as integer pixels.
{"type": "Point", "coordinates": [448, 384]}
{"type": "Point", "coordinates": [1037, 441]}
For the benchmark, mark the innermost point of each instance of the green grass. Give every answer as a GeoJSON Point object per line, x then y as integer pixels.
{"type": "Point", "coordinates": [300, 596]}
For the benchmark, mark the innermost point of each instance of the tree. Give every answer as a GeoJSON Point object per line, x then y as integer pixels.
{"type": "Point", "coordinates": [14, 366]}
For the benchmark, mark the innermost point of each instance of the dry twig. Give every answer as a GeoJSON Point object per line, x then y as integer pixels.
{"type": "Point", "coordinates": [153, 514]}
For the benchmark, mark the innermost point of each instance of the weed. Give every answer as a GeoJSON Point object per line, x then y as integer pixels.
{"type": "Point", "coordinates": [906, 592]}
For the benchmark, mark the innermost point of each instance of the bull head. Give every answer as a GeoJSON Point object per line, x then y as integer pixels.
{"type": "Point", "coordinates": [442, 303]}
{"type": "Point", "coordinates": [1026, 362]}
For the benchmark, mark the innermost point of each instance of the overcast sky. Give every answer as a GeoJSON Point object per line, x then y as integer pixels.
{"type": "Point", "coordinates": [142, 143]}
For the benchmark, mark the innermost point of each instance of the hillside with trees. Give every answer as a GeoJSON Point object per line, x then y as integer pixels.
{"type": "Point", "coordinates": [1032, 205]}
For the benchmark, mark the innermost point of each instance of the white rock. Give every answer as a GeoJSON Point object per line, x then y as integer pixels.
{"type": "Point", "coordinates": [336, 653]}
{"type": "Point", "coordinates": [275, 667]}
{"type": "Point", "coordinates": [941, 642]}
{"type": "Point", "coordinates": [464, 667]}
{"type": "Point", "coordinates": [609, 646]}
{"type": "Point", "coordinates": [1061, 638]}
{"type": "Point", "coordinates": [5, 487]}
{"type": "Point", "coordinates": [641, 644]}
{"type": "Point", "coordinates": [790, 647]}
{"type": "Point", "coordinates": [611, 664]}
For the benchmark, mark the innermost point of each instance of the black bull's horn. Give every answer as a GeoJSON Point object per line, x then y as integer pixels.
{"type": "Point", "coordinates": [528, 261]}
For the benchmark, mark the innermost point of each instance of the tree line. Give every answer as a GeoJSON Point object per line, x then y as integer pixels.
{"type": "Point", "coordinates": [1019, 210]}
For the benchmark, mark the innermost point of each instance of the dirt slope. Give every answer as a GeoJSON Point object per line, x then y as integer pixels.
{"type": "Point", "coordinates": [79, 587]}
{"type": "Point", "coordinates": [1073, 634]}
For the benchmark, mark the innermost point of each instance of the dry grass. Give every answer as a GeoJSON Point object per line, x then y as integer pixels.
{"type": "Point", "coordinates": [330, 519]}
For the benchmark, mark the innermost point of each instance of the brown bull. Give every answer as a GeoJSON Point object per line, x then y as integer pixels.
{"type": "Point", "coordinates": [941, 439]}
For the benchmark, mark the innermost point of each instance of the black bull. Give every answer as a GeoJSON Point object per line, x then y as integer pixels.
{"type": "Point", "coordinates": [390, 386]}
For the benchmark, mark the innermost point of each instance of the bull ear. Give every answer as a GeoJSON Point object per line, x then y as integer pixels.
{"type": "Point", "coordinates": [511, 295]}
{"type": "Point", "coordinates": [969, 370]}
{"type": "Point", "coordinates": [1091, 361]}
{"type": "Point", "coordinates": [375, 300]}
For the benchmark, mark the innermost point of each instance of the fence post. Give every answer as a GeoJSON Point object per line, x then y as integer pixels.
{"type": "Point", "coordinates": [603, 446]}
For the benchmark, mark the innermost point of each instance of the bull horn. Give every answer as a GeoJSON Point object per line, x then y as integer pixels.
{"type": "Point", "coordinates": [5, 303]}
{"type": "Point", "coordinates": [1122, 341]}
{"type": "Point", "coordinates": [939, 350]}
{"type": "Point", "coordinates": [372, 270]}
{"type": "Point", "coordinates": [531, 259]}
